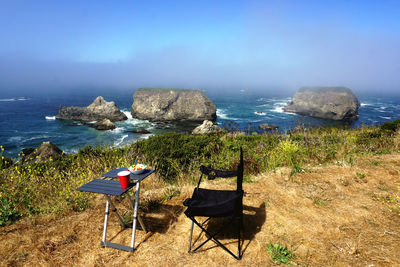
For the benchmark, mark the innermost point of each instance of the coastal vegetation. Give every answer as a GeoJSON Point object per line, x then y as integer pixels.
{"type": "Point", "coordinates": [318, 196]}
{"type": "Point", "coordinates": [49, 186]}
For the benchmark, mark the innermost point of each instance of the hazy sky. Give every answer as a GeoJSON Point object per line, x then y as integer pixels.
{"type": "Point", "coordinates": [261, 45]}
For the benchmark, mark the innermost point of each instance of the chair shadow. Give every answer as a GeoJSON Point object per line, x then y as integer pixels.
{"type": "Point", "coordinates": [253, 219]}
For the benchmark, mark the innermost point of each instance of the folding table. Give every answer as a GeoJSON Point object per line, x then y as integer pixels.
{"type": "Point", "coordinates": [113, 188]}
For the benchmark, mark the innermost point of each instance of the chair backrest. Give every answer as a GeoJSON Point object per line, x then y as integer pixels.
{"type": "Point", "coordinates": [240, 172]}
{"type": "Point", "coordinates": [213, 173]}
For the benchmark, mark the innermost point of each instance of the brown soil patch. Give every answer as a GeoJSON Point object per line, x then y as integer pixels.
{"type": "Point", "coordinates": [334, 215]}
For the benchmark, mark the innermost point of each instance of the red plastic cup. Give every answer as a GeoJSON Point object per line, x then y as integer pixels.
{"type": "Point", "coordinates": [124, 178]}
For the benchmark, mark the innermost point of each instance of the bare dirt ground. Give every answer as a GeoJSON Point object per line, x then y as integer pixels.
{"type": "Point", "coordinates": [333, 215]}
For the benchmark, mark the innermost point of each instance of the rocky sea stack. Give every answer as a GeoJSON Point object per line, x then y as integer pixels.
{"type": "Point", "coordinates": [164, 105]}
{"type": "Point", "coordinates": [99, 110]}
{"type": "Point", "coordinates": [334, 103]}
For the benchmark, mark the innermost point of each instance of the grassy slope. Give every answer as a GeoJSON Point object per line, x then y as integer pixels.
{"type": "Point", "coordinates": [334, 215]}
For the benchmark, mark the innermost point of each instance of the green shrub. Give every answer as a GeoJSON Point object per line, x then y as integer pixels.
{"type": "Point", "coordinates": [280, 255]}
{"type": "Point", "coordinates": [4, 161]}
{"type": "Point", "coordinates": [173, 153]}
{"type": "Point", "coordinates": [391, 126]}
{"type": "Point", "coordinates": [7, 212]}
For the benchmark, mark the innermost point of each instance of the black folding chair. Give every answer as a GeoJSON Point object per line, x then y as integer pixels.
{"type": "Point", "coordinates": [217, 203]}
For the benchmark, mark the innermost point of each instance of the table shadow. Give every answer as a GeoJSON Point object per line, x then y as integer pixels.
{"type": "Point", "coordinates": [161, 218]}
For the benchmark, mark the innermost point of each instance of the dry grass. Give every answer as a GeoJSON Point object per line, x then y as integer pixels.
{"type": "Point", "coordinates": [334, 215]}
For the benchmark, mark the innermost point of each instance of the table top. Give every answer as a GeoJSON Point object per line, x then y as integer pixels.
{"type": "Point", "coordinates": [108, 187]}
{"type": "Point", "coordinates": [111, 187]}
{"type": "Point", "coordinates": [135, 177]}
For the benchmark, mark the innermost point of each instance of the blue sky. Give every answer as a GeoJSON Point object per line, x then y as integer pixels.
{"type": "Point", "coordinates": [261, 45]}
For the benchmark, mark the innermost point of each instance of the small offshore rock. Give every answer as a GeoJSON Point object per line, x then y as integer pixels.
{"type": "Point", "coordinates": [103, 125]}
{"type": "Point", "coordinates": [266, 126]}
{"type": "Point", "coordinates": [207, 127]}
{"type": "Point", "coordinates": [140, 131]}
{"type": "Point", "coordinates": [42, 153]}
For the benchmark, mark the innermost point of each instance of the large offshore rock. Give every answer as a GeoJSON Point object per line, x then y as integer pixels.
{"type": "Point", "coordinates": [100, 109]}
{"type": "Point", "coordinates": [172, 105]}
{"type": "Point", "coordinates": [335, 103]}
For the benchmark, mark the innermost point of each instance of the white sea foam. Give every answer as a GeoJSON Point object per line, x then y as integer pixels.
{"type": "Point", "coordinates": [117, 130]}
{"type": "Point", "coordinates": [127, 114]}
{"type": "Point", "coordinates": [260, 113]}
{"type": "Point", "coordinates": [119, 141]}
{"type": "Point", "coordinates": [50, 117]}
{"type": "Point", "coordinates": [14, 99]}
{"type": "Point", "coordinates": [278, 109]}
{"type": "Point", "coordinates": [146, 136]}
{"type": "Point", "coordinates": [15, 139]}
{"type": "Point", "coordinates": [365, 104]}
{"type": "Point", "coordinates": [137, 122]}
{"type": "Point", "coordinates": [263, 105]}
{"type": "Point", "coordinates": [222, 115]}
{"type": "Point", "coordinates": [386, 118]}
{"type": "Point", "coordinates": [380, 109]}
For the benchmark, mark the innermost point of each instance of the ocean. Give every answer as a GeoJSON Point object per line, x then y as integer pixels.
{"type": "Point", "coordinates": [27, 121]}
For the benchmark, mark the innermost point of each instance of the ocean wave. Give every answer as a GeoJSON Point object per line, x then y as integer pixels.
{"type": "Point", "coordinates": [22, 139]}
{"type": "Point", "coordinates": [119, 141]}
{"type": "Point", "coordinates": [50, 117]}
{"type": "Point", "coordinates": [137, 122]}
{"type": "Point", "coordinates": [222, 115]}
{"type": "Point", "coordinates": [127, 113]}
{"type": "Point", "coordinates": [365, 104]}
{"type": "Point", "coordinates": [263, 105]}
{"type": "Point", "coordinates": [278, 109]}
{"type": "Point", "coordinates": [382, 110]}
{"type": "Point", "coordinates": [386, 118]}
{"type": "Point", "coordinates": [117, 130]}
{"type": "Point", "coordinates": [146, 136]}
{"type": "Point", "coordinates": [15, 139]}
{"type": "Point", "coordinates": [14, 99]}
{"type": "Point", "coordinates": [71, 151]}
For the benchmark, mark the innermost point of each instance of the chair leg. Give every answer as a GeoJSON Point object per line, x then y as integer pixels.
{"type": "Point", "coordinates": [239, 230]}
{"type": "Point", "coordinates": [212, 237]}
{"type": "Point", "coordinates": [190, 239]}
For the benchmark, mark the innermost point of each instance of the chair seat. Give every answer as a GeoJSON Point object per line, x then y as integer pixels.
{"type": "Point", "coordinates": [213, 203]}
